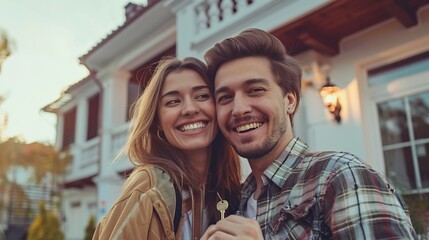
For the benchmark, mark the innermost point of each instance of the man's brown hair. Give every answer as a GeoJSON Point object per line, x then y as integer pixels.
{"type": "Point", "coordinates": [258, 43]}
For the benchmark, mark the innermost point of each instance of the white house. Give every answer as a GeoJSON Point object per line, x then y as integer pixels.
{"type": "Point", "coordinates": [376, 52]}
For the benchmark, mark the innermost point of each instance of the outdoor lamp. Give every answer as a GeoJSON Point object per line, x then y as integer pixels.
{"type": "Point", "coordinates": [329, 94]}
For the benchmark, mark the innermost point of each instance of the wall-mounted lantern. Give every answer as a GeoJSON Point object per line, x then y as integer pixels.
{"type": "Point", "coordinates": [329, 94]}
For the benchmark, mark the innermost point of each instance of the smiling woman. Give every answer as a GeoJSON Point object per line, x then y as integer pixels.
{"type": "Point", "coordinates": [187, 113]}
{"type": "Point", "coordinates": [179, 157]}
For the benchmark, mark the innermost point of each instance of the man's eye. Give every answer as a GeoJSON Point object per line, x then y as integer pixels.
{"type": "Point", "coordinates": [224, 99]}
{"type": "Point", "coordinates": [256, 90]}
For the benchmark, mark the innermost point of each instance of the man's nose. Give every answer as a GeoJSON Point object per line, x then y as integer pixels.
{"type": "Point", "coordinates": [240, 106]}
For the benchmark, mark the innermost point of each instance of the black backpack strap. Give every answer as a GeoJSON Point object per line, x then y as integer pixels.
{"type": "Point", "coordinates": [178, 212]}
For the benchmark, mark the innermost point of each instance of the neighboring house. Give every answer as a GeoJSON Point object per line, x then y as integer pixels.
{"type": "Point", "coordinates": [376, 52]}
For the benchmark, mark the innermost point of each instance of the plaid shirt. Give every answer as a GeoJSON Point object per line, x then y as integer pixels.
{"type": "Point", "coordinates": [326, 195]}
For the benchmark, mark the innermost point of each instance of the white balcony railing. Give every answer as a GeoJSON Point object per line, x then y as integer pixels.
{"type": "Point", "coordinates": [213, 15]}
{"type": "Point", "coordinates": [119, 137]}
{"type": "Point", "coordinates": [90, 153]}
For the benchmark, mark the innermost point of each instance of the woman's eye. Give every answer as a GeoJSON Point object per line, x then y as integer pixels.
{"type": "Point", "coordinates": [172, 102]}
{"type": "Point", "coordinates": [203, 96]}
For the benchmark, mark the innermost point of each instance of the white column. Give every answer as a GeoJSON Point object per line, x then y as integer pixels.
{"type": "Point", "coordinates": [80, 134]}
{"type": "Point", "coordinates": [113, 115]}
{"type": "Point", "coordinates": [60, 131]}
{"type": "Point", "coordinates": [119, 97]}
{"type": "Point", "coordinates": [109, 184]}
{"type": "Point", "coordinates": [109, 189]}
{"type": "Point", "coordinates": [81, 121]}
{"type": "Point", "coordinates": [188, 23]}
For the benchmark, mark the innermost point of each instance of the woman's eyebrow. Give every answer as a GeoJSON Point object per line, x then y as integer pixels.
{"type": "Point", "coordinates": [175, 92]}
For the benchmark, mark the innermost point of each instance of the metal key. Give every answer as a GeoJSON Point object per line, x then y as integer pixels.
{"type": "Point", "coordinates": [221, 207]}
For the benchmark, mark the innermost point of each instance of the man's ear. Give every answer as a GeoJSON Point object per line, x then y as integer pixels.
{"type": "Point", "coordinates": [290, 102]}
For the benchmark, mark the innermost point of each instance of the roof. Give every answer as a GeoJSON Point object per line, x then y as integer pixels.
{"type": "Point", "coordinates": [132, 17]}
{"type": "Point", "coordinates": [80, 183]}
{"type": "Point", "coordinates": [323, 29]}
{"type": "Point", "coordinates": [65, 97]}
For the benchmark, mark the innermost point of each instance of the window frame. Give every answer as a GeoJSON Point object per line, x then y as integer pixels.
{"type": "Point", "coordinates": [370, 96]}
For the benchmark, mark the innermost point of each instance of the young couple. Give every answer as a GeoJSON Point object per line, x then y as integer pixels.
{"type": "Point", "coordinates": [184, 166]}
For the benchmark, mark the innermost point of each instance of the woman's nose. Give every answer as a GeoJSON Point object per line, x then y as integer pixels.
{"type": "Point", "coordinates": [190, 108]}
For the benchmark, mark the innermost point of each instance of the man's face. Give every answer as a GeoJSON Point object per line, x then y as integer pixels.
{"type": "Point", "coordinates": [251, 109]}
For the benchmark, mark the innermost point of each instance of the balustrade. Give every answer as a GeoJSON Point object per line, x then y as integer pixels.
{"type": "Point", "coordinates": [211, 13]}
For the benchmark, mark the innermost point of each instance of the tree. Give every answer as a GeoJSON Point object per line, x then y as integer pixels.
{"type": "Point", "coordinates": [44, 160]}
{"type": "Point", "coordinates": [46, 226]}
{"type": "Point", "coordinates": [5, 52]}
{"type": "Point", "coordinates": [9, 158]}
{"type": "Point", "coordinates": [90, 228]}
{"type": "Point", "coordinates": [418, 205]}
{"type": "Point", "coordinates": [5, 49]}
{"type": "Point", "coordinates": [46, 165]}
{"type": "Point", "coordinates": [3, 118]}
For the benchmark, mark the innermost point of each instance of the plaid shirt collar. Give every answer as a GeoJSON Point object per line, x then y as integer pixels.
{"type": "Point", "coordinates": [278, 171]}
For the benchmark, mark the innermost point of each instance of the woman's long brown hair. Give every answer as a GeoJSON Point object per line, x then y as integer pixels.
{"type": "Point", "coordinates": [144, 147]}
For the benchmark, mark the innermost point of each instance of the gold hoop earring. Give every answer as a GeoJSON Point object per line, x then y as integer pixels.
{"type": "Point", "coordinates": [159, 135]}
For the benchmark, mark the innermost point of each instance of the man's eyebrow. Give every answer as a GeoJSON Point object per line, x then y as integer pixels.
{"type": "Point", "coordinates": [257, 80]}
{"type": "Point", "coordinates": [245, 83]}
{"type": "Point", "coordinates": [220, 90]}
{"type": "Point", "coordinates": [175, 92]}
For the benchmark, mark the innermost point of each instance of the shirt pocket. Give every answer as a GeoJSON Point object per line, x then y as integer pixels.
{"type": "Point", "coordinates": [294, 219]}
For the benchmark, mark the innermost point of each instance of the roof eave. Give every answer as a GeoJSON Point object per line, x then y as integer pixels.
{"type": "Point", "coordinates": [129, 34]}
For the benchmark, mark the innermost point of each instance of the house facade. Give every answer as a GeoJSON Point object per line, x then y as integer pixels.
{"type": "Point", "coordinates": [375, 52]}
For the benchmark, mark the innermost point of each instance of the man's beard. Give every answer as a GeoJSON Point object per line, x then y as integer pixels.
{"type": "Point", "coordinates": [267, 145]}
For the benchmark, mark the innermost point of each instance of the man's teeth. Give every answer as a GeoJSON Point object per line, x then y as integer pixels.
{"type": "Point", "coordinates": [193, 126]}
{"type": "Point", "coordinates": [248, 127]}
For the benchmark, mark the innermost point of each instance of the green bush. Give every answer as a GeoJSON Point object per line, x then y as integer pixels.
{"type": "Point", "coordinates": [46, 226]}
{"type": "Point", "coordinates": [90, 228]}
{"type": "Point", "coordinates": [418, 205]}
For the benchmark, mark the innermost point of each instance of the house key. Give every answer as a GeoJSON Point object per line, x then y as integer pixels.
{"type": "Point", "coordinates": [221, 206]}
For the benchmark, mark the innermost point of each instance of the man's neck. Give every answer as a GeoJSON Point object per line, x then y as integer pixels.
{"type": "Point", "coordinates": [259, 165]}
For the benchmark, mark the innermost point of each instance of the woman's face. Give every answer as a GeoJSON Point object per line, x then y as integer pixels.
{"type": "Point", "coordinates": [186, 111]}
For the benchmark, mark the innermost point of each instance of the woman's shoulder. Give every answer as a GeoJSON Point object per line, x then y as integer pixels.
{"type": "Point", "coordinates": [144, 178]}
{"type": "Point", "coordinates": [140, 189]}
{"type": "Point", "coordinates": [141, 179]}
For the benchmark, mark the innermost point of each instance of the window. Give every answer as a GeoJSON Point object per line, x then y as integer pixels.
{"type": "Point", "coordinates": [69, 128]}
{"type": "Point", "coordinates": [133, 94]}
{"type": "Point", "coordinates": [404, 126]}
{"type": "Point", "coordinates": [140, 77]}
{"type": "Point", "coordinates": [75, 204]}
{"type": "Point", "coordinates": [93, 116]}
{"type": "Point", "coordinates": [402, 68]}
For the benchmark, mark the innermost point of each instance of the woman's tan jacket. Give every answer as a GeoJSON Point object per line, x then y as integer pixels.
{"type": "Point", "coordinates": [144, 210]}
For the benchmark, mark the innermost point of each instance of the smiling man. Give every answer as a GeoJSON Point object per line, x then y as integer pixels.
{"type": "Point", "coordinates": [292, 193]}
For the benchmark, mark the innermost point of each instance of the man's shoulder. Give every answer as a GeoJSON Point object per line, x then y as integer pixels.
{"type": "Point", "coordinates": [319, 165]}
{"type": "Point", "coordinates": [332, 159]}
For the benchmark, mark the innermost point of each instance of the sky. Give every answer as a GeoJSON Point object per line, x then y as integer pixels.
{"type": "Point", "coordinates": [48, 37]}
